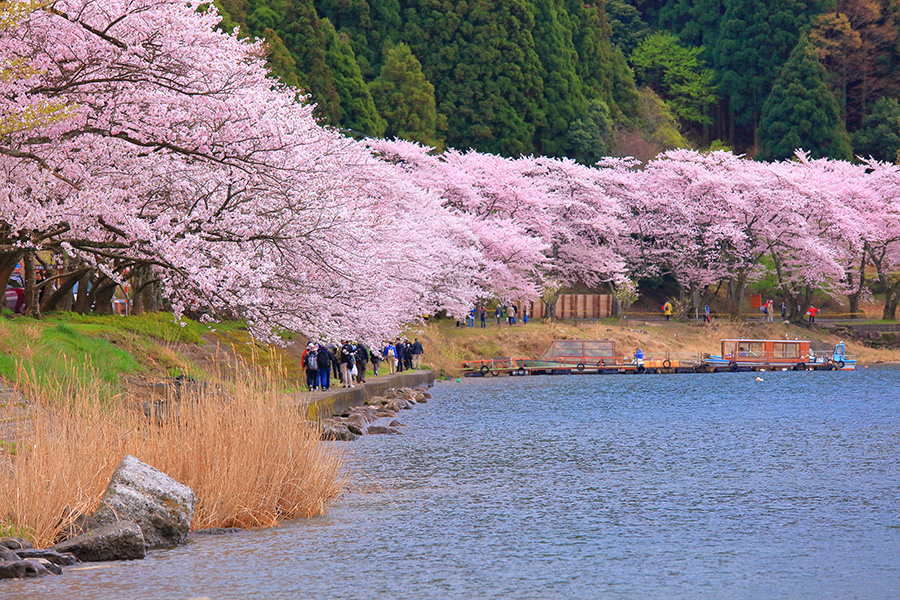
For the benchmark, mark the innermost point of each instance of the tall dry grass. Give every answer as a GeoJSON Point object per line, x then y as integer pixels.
{"type": "Point", "coordinates": [251, 458]}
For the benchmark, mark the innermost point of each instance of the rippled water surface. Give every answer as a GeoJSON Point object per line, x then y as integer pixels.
{"type": "Point", "coordinates": [643, 487]}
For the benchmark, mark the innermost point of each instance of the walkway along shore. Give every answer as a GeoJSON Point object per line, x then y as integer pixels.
{"type": "Point", "coordinates": [322, 405]}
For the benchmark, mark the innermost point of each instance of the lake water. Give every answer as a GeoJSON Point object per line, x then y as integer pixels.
{"type": "Point", "coordinates": [632, 487]}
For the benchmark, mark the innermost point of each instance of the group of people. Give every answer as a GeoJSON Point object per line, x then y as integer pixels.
{"type": "Point", "coordinates": [481, 312]}
{"type": "Point", "coordinates": [348, 361]}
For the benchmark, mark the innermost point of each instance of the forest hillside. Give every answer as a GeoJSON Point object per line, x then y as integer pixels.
{"type": "Point", "coordinates": [591, 78]}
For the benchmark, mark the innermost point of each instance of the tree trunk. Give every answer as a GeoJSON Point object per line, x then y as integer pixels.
{"type": "Point", "coordinates": [106, 290]}
{"type": "Point", "coordinates": [891, 288]}
{"type": "Point", "coordinates": [150, 294]}
{"type": "Point", "coordinates": [32, 308]}
{"type": "Point", "coordinates": [61, 298]}
{"type": "Point", "coordinates": [137, 297]}
{"type": "Point", "coordinates": [737, 285]}
{"type": "Point", "coordinates": [82, 299]}
{"type": "Point", "coordinates": [7, 266]}
{"type": "Point", "coordinates": [696, 299]}
{"type": "Point", "coordinates": [860, 286]}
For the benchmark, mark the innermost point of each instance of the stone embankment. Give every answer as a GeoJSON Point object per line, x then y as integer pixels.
{"type": "Point", "coordinates": [377, 415]}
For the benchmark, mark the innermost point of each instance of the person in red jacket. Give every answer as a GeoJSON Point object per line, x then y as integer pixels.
{"type": "Point", "coordinates": [812, 313]}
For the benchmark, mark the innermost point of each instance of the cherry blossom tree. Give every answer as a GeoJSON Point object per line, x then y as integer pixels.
{"type": "Point", "coordinates": [179, 153]}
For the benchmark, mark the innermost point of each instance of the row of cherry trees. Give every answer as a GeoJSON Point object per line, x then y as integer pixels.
{"type": "Point", "coordinates": [140, 141]}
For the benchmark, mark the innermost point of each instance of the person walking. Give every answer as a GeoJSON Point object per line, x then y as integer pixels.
{"type": "Point", "coordinates": [407, 355]}
{"type": "Point", "coordinates": [783, 312]}
{"type": "Point", "coordinates": [362, 360]}
{"type": "Point", "coordinates": [401, 354]}
{"type": "Point", "coordinates": [377, 359]}
{"type": "Point", "coordinates": [346, 364]}
{"type": "Point", "coordinates": [390, 355]}
{"type": "Point", "coordinates": [667, 309]}
{"type": "Point", "coordinates": [417, 353]}
{"type": "Point", "coordinates": [498, 313]}
{"type": "Point", "coordinates": [482, 313]}
{"type": "Point", "coordinates": [310, 363]}
{"type": "Point", "coordinates": [770, 311]}
{"type": "Point", "coordinates": [706, 313]}
{"type": "Point", "coordinates": [324, 358]}
{"type": "Point", "coordinates": [335, 350]}
{"type": "Point", "coordinates": [812, 313]}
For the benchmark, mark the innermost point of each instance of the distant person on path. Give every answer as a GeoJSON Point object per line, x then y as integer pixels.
{"type": "Point", "coordinates": [401, 354]}
{"type": "Point", "coordinates": [362, 360]}
{"type": "Point", "coordinates": [417, 353]}
{"type": "Point", "coordinates": [310, 362]}
{"type": "Point", "coordinates": [324, 358]}
{"type": "Point", "coordinates": [390, 355]}
{"type": "Point", "coordinates": [766, 309]}
{"type": "Point", "coordinates": [498, 312]}
{"type": "Point", "coordinates": [525, 314]}
{"type": "Point", "coordinates": [667, 309]}
{"type": "Point", "coordinates": [407, 355]}
{"type": "Point", "coordinates": [482, 313]}
{"type": "Point", "coordinates": [335, 350]}
{"type": "Point", "coordinates": [470, 322]}
{"type": "Point", "coordinates": [511, 314]}
{"type": "Point", "coordinates": [812, 313]}
{"type": "Point", "coordinates": [706, 313]}
{"type": "Point", "coordinates": [770, 311]}
{"type": "Point", "coordinates": [377, 359]}
{"type": "Point", "coordinates": [346, 364]}
{"type": "Point", "coordinates": [783, 312]}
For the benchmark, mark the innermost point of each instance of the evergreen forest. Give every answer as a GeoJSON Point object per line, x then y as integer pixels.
{"type": "Point", "coordinates": [592, 78]}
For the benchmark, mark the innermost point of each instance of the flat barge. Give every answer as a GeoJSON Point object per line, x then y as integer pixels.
{"type": "Point", "coordinates": [583, 357]}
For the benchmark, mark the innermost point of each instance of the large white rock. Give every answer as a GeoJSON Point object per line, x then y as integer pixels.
{"type": "Point", "coordinates": [160, 506]}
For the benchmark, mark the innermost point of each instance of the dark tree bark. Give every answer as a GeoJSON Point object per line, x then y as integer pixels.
{"type": "Point", "coordinates": [32, 308]}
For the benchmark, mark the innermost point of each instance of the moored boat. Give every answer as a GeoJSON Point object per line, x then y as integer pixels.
{"type": "Point", "coordinates": [797, 355]}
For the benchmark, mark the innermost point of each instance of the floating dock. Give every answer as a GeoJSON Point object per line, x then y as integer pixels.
{"type": "Point", "coordinates": [598, 357]}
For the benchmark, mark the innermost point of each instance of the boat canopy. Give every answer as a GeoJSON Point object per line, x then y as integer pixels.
{"type": "Point", "coordinates": [563, 349]}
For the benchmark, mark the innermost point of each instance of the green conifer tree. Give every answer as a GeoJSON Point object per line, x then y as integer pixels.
{"type": "Point", "coordinates": [589, 138]}
{"type": "Point", "coordinates": [801, 111]}
{"type": "Point", "coordinates": [480, 56]}
{"type": "Point", "coordinates": [755, 38]}
{"type": "Point", "coordinates": [301, 30]}
{"type": "Point", "coordinates": [695, 22]}
{"type": "Point", "coordinates": [358, 112]}
{"type": "Point", "coordinates": [406, 99]}
{"type": "Point", "coordinates": [279, 59]}
{"type": "Point", "coordinates": [627, 26]}
{"type": "Point", "coordinates": [563, 101]}
{"type": "Point", "coordinates": [879, 137]}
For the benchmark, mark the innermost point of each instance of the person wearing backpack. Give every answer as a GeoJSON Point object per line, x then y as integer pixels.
{"type": "Point", "coordinates": [390, 355]}
{"type": "Point", "coordinates": [377, 359]}
{"type": "Point", "coordinates": [347, 359]}
{"type": "Point", "coordinates": [324, 358]}
{"type": "Point", "coordinates": [362, 358]}
{"type": "Point", "coordinates": [310, 362]}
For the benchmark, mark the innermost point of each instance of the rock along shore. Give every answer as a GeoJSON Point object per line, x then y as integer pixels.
{"type": "Point", "coordinates": [143, 508]}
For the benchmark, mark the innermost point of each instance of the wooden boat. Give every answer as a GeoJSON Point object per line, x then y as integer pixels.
{"type": "Point", "coordinates": [757, 355]}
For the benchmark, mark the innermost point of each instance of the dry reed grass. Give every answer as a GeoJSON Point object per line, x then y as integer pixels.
{"type": "Point", "coordinates": [251, 458]}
